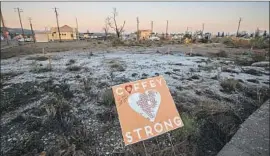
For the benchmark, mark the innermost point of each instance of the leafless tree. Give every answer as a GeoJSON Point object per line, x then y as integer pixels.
{"type": "Point", "coordinates": [113, 23]}
{"type": "Point", "coordinates": [106, 27]}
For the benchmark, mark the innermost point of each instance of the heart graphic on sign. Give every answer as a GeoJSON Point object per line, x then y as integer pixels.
{"type": "Point", "coordinates": [146, 103]}
{"type": "Point", "coordinates": [128, 88]}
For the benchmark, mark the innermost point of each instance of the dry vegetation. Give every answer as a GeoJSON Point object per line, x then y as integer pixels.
{"type": "Point", "coordinates": [79, 117]}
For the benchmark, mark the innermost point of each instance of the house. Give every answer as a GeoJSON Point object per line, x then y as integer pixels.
{"type": "Point", "coordinates": [66, 33]}
{"type": "Point", "coordinates": [144, 34]}
{"type": "Point", "coordinates": [42, 36]}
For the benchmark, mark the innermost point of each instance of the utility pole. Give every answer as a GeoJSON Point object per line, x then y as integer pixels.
{"type": "Point", "coordinates": [33, 34]}
{"type": "Point", "coordinates": [151, 26]}
{"type": "Point", "coordinates": [138, 35]}
{"type": "Point", "coordinates": [202, 28]}
{"type": "Point", "coordinates": [5, 32]}
{"type": "Point", "coordinates": [47, 33]}
{"type": "Point", "coordinates": [77, 29]}
{"type": "Point", "coordinates": [167, 29]}
{"type": "Point", "coordinates": [56, 14]}
{"type": "Point", "coordinates": [240, 19]}
{"type": "Point", "coordinates": [19, 13]}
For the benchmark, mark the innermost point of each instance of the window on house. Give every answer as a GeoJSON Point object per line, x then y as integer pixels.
{"type": "Point", "coordinates": [71, 35]}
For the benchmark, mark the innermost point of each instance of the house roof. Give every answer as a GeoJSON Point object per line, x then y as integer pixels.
{"type": "Point", "coordinates": [64, 28]}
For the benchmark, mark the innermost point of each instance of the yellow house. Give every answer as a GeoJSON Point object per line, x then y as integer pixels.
{"type": "Point", "coordinates": [66, 33]}
{"type": "Point", "coordinates": [144, 34]}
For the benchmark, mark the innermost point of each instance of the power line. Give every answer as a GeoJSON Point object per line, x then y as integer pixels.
{"type": "Point", "coordinates": [56, 15]}
{"type": "Point", "coordinates": [33, 34]}
{"type": "Point", "coordinates": [19, 14]}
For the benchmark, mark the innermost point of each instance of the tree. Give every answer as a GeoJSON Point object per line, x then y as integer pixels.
{"type": "Point", "coordinates": [113, 23]}
{"type": "Point", "coordinates": [106, 27]}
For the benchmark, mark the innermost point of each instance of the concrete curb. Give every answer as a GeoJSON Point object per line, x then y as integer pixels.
{"type": "Point", "coordinates": [252, 139]}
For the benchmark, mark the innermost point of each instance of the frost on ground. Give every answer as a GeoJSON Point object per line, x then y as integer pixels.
{"type": "Point", "coordinates": [63, 105]}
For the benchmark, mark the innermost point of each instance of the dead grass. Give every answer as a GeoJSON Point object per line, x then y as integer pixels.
{"type": "Point", "coordinates": [190, 127]}
{"type": "Point", "coordinates": [208, 107]}
{"type": "Point", "coordinates": [116, 66]}
{"type": "Point", "coordinates": [107, 98]}
{"type": "Point", "coordinates": [230, 85]}
{"type": "Point", "coordinates": [259, 43]}
{"type": "Point", "coordinates": [257, 57]}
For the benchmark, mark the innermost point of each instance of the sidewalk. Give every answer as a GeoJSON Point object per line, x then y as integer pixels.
{"type": "Point", "coordinates": [252, 139]}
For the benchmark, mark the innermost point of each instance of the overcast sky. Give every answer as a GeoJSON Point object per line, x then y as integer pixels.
{"type": "Point", "coordinates": [217, 16]}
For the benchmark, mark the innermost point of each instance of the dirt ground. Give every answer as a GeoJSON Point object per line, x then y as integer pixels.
{"type": "Point", "coordinates": [34, 48]}
{"type": "Point", "coordinates": [60, 103]}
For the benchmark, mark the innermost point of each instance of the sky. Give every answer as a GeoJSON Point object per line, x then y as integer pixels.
{"type": "Point", "coordinates": [216, 16]}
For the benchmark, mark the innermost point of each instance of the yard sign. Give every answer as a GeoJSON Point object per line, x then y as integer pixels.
{"type": "Point", "coordinates": [146, 109]}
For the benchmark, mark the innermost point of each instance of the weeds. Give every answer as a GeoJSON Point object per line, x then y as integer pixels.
{"type": "Point", "coordinates": [108, 98]}
{"type": "Point", "coordinates": [209, 107]}
{"type": "Point", "coordinates": [117, 67]}
{"type": "Point", "coordinates": [259, 42]}
{"type": "Point", "coordinates": [230, 85]}
{"type": "Point", "coordinates": [117, 42]}
{"type": "Point", "coordinates": [190, 128]}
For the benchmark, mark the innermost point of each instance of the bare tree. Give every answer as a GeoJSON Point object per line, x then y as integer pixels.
{"type": "Point", "coordinates": [106, 27]}
{"type": "Point", "coordinates": [113, 24]}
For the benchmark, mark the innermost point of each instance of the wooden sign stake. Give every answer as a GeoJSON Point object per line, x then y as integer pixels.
{"type": "Point", "coordinates": [144, 148]}
{"type": "Point", "coordinates": [171, 143]}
